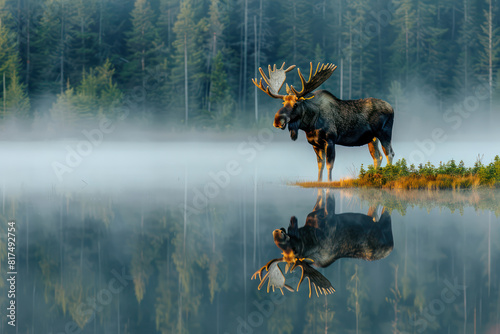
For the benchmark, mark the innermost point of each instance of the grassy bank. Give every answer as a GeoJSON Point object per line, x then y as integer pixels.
{"type": "Point", "coordinates": [401, 176]}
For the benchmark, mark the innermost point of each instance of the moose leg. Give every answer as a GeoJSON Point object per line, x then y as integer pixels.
{"type": "Point", "coordinates": [372, 212]}
{"type": "Point", "coordinates": [374, 151]}
{"type": "Point", "coordinates": [388, 151]}
{"type": "Point", "coordinates": [385, 137]}
{"type": "Point", "coordinates": [330, 203]}
{"type": "Point", "coordinates": [330, 159]}
{"type": "Point", "coordinates": [319, 200]}
{"type": "Point", "coordinates": [320, 155]}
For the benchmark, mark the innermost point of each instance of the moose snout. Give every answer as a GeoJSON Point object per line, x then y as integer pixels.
{"type": "Point", "coordinates": [280, 121]}
{"type": "Point", "coordinates": [279, 235]}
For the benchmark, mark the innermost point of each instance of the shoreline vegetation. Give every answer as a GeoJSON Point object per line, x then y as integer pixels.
{"type": "Point", "coordinates": [448, 175]}
{"type": "Point", "coordinates": [401, 200]}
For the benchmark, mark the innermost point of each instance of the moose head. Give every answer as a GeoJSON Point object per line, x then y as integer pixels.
{"type": "Point", "coordinates": [291, 113]}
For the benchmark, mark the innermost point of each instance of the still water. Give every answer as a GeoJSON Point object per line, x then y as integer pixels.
{"type": "Point", "coordinates": [157, 260]}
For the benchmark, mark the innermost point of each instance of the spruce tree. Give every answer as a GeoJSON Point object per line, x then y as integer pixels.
{"type": "Point", "coordinates": [96, 95]}
{"type": "Point", "coordinates": [169, 10]}
{"type": "Point", "coordinates": [47, 49]}
{"type": "Point", "coordinates": [216, 24]}
{"type": "Point", "coordinates": [144, 47]}
{"type": "Point", "coordinates": [188, 77]}
{"type": "Point", "coordinates": [141, 43]}
{"type": "Point", "coordinates": [297, 43]}
{"type": "Point", "coordinates": [489, 53]}
{"type": "Point", "coordinates": [17, 100]}
{"type": "Point", "coordinates": [83, 48]}
{"type": "Point", "coordinates": [220, 115]}
{"type": "Point", "coordinates": [403, 46]}
{"type": "Point", "coordinates": [360, 57]}
{"type": "Point", "coordinates": [464, 73]}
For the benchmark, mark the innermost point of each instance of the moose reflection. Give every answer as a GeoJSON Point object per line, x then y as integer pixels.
{"type": "Point", "coordinates": [323, 239]}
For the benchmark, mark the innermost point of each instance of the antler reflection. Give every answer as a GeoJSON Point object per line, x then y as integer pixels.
{"type": "Point", "coordinates": [276, 279]}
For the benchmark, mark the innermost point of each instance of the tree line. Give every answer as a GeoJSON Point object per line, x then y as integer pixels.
{"type": "Point", "coordinates": [189, 63]}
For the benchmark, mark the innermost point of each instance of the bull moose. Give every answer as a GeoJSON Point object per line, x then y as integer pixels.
{"type": "Point", "coordinates": [327, 120]}
{"type": "Point", "coordinates": [325, 238]}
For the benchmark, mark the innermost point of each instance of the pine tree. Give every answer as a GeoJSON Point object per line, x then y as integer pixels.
{"type": "Point", "coordinates": [187, 77]}
{"type": "Point", "coordinates": [110, 96]}
{"type": "Point", "coordinates": [168, 12]}
{"type": "Point", "coordinates": [425, 13]}
{"type": "Point", "coordinates": [216, 24]}
{"type": "Point", "coordinates": [9, 56]}
{"type": "Point", "coordinates": [17, 101]}
{"type": "Point", "coordinates": [437, 77]}
{"type": "Point", "coordinates": [402, 48]}
{"type": "Point", "coordinates": [359, 53]}
{"type": "Point", "coordinates": [319, 317]}
{"type": "Point", "coordinates": [141, 44]}
{"type": "Point", "coordinates": [297, 43]}
{"type": "Point", "coordinates": [397, 97]}
{"type": "Point", "coordinates": [358, 292]}
{"type": "Point", "coordinates": [489, 54]}
{"type": "Point", "coordinates": [319, 55]}
{"type": "Point", "coordinates": [48, 46]}
{"type": "Point", "coordinates": [9, 60]}
{"type": "Point", "coordinates": [83, 49]}
{"type": "Point", "coordinates": [63, 111]}
{"type": "Point", "coordinates": [220, 115]}
{"type": "Point", "coordinates": [324, 14]}
{"type": "Point", "coordinates": [96, 95]}
{"type": "Point", "coordinates": [111, 24]}
{"type": "Point", "coordinates": [348, 50]}
{"type": "Point", "coordinates": [467, 44]}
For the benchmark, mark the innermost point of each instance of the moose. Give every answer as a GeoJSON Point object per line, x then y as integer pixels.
{"type": "Point", "coordinates": [327, 120]}
{"type": "Point", "coordinates": [325, 238]}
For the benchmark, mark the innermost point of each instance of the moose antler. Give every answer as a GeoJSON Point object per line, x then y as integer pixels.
{"type": "Point", "coordinates": [321, 74]}
{"type": "Point", "coordinates": [319, 282]}
{"type": "Point", "coordinates": [277, 279]}
{"type": "Point", "coordinates": [275, 81]}
{"type": "Point", "coordinates": [274, 274]}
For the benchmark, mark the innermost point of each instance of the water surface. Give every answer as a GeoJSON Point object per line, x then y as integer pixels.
{"type": "Point", "coordinates": [153, 243]}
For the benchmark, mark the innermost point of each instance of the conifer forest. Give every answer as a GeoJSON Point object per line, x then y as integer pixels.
{"type": "Point", "coordinates": [188, 64]}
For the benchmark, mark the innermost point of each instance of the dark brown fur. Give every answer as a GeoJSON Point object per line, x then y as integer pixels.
{"type": "Point", "coordinates": [327, 236]}
{"type": "Point", "coordinates": [329, 121]}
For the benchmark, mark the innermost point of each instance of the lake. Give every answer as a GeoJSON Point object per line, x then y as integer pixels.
{"type": "Point", "coordinates": [148, 238]}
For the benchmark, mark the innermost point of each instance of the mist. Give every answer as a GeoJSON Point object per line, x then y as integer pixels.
{"type": "Point", "coordinates": [141, 177]}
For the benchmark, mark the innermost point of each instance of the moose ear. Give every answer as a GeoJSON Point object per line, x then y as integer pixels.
{"type": "Point", "coordinates": [293, 228]}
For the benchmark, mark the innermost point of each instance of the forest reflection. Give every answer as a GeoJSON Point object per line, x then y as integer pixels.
{"type": "Point", "coordinates": [133, 262]}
